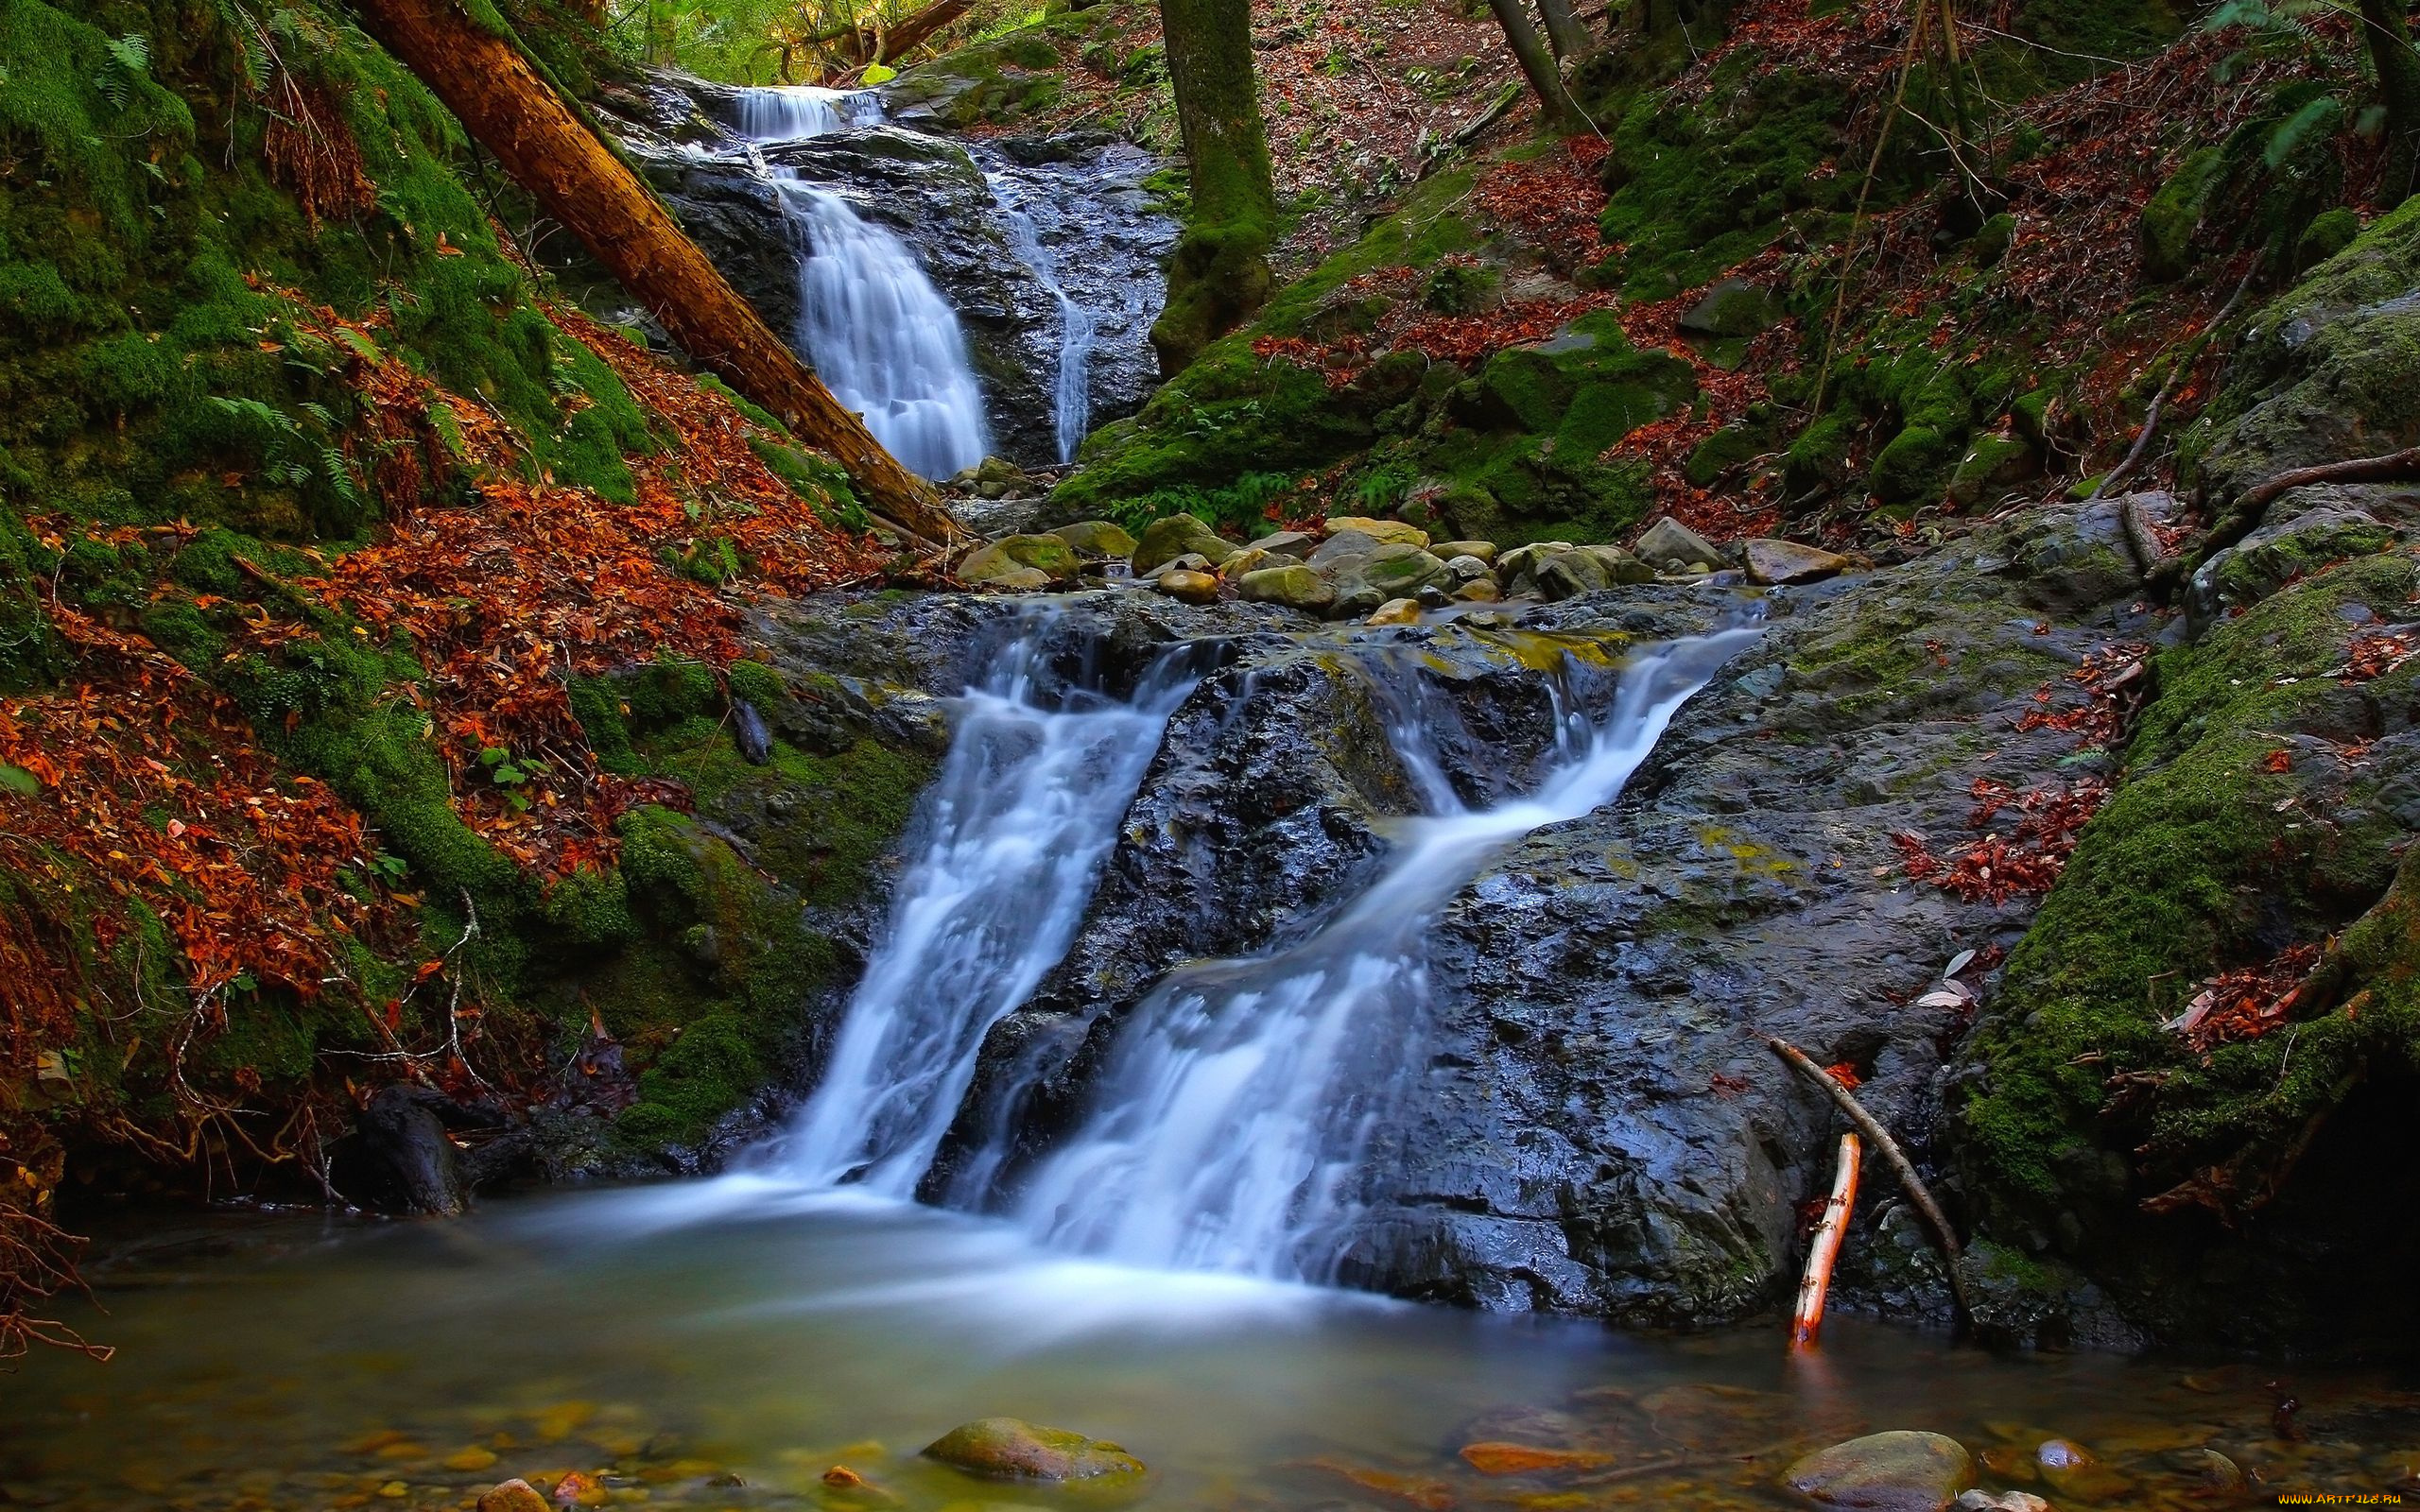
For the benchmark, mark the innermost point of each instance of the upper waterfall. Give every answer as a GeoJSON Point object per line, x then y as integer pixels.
{"type": "Point", "coordinates": [877, 332]}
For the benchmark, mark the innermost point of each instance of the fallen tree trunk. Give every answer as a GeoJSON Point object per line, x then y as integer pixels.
{"type": "Point", "coordinates": [912, 32]}
{"type": "Point", "coordinates": [484, 80]}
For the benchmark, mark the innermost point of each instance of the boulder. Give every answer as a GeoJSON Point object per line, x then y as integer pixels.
{"type": "Point", "coordinates": [1186, 586]}
{"type": "Point", "coordinates": [1249, 560]}
{"type": "Point", "coordinates": [1011, 1448]}
{"type": "Point", "coordinates": [1167, 539]}
{"type": "Point", "coordinates": [1342, 546]}
{"type": "Point", "coordinates": [1670, 547]}
{"type": "Point", "coordinates": [1292, 543]}
{"type": "Point", "coordinates": [1396, 612]}
{"type": "Point", "coordinates": [1294, 585]}
{"type": "Point", "coordinates": [1517, 568]}
{"type": "Point", "coordinates": [1776, 563]}
{"type": "Point", "coordinates": [1192, 561]}
{"type": "Point", "coordinates": [1895, 1471]}
{"type": "Point", "coordinates": [1386, 532]}
{"type": "Point", "coordinates": [2073, 1471]}
{"type": "Point", "coordinates": [1012, 561]}
{"type": "Point", "coordinates": [1589, 569]}
{"type": "Point", "coordinates": [513, 1496]}
{"type": "Point", "coordinates": [1478, 591]}
{"type": "Point", "coordinates": [1732, 308]}
{"type": "Point", "coordinates": [1483, 550]}
{"type": "Point", "coordinates": [1467, 568]}
{"type": "Point", "coordinates": [1390, 570]}
{"type": "Point", "coordinates": [1098, 537]}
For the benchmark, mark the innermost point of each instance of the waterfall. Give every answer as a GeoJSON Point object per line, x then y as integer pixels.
{"type": "Point", "coordinates": [1011, 838]}
{"type": "Point", "coordinates": [1233, 1122]}
{"type": "Point", "coordinates": [878, 334]}
{"type": "Point", "coordinates": [1072, 391]}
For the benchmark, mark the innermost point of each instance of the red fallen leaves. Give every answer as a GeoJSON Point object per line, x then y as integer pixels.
{"type": "Point", "coordinates": [2247, 1002]}
{"type": "Point", "coordinates": [2025, 862]}
{"type": "Point", "coordinates": [1551, 202]}
{"type": "Point", "coordinates": [1846, 1074]}
{"type": "Point", "coordinates": [2104, 675]}
{"type": "Point", "coordinates": [2375, 656]}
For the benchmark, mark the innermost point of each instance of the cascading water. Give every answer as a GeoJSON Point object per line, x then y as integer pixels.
{"type": "Point", "coordinates": [1232, 1126]}
{"type": "Point", "coordinates": [879, 335]}
{"type": "Point", "coordinates": [1013, 833]}
{"type": "Point", "coordinates": [1072, 389]}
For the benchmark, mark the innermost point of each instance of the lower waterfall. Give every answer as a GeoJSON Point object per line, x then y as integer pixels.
{"type": "Point", "coordinates": [1232, 1124]}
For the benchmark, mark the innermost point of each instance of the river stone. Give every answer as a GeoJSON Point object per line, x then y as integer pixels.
{"type": "Point", "coordinates": [1671, 546]}
{"type": "Point", "coordinates": [1051, 555]}
{"type": "Point", "coordinates": [1895, 1471]}
{"type": "Point", "coordinates": [2073, 1471]}
{"type": "Point", "coordinates": [1167, 539]}
{"type": "Point", "coordinates": [1467, 568]}
{"type": "Point", "coordinates": [1392, 570]}
{"type": "Point", "coordinates": [1396, 612]}
{"type": "Point", "coordinates": [2005, 1501]}
{"type": "Point", "coordinates": [1518, 569]}
{"type": "Point", "coordinates": [1011, 1448]}
{"type": "Point", "coordinates": [1780, 562]}
{"type": "Point", "coordinates": [1186, 586]}
{"type": "Point", "coordinates": [1294, 585]}
{"type": "Point", "coordinates": [1478, 591]}
{"type": "Point", "coordinates": [1249, 560]}
{"type": "Point", "coordinates": [1340, 547]}
{"type": "Point", "coordinates": [1385, 532]}
{"type": "Point", "coordinates": [1589, 569]}
{"type": "Point", "coordinates": [513, 1496]}
{"type": "Point", "coordinates": [1484, 550]}
{"type": "Point", "coordinates": [1098, 537]}
{"type": "Point", "coordinates": [1292, 543]}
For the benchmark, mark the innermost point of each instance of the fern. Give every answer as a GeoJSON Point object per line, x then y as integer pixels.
{"type": "Point", "coordinates": [130, 61]}
{"type": "Point", "coordinates": [2320, 115]}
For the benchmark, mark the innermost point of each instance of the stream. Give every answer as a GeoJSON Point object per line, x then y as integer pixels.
{"type": "Point", "coordinates": [1152, 1277]}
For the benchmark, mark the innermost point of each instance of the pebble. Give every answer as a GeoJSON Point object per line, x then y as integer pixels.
{"type": "Point", "coordinates": [513, 1496]}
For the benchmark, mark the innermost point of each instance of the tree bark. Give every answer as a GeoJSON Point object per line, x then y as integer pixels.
{"type": "Point", "coordinates": [2398, 70]}
{"type": "Point", "coordinates": [1220, 273]}
{"type": "Point", "coordinates": [1565, 33]}
{"type": "Point", "coordinates": [492, 88]}
{"type": "Point", "coordinates": [1537, 62]}
{"type": "Point", "coordinates": [914, 31]}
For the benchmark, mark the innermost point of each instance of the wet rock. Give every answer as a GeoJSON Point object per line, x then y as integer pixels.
{"type": "Point", "coordinates": [1249, 560]}
{"type": "Point", "coordinates": [1478, 591]}
{"type": "Point", "coordinates": [1467, 568]}
{"type": "Point", "coordinates": [513, 1496]}
{"type": "Point", "coordinates": [1294, 585]}
{"type": "Point", "coordinates": [1780, 562]}
{"type": "Point", "coordinates": [1527, 1459]}
{"type": "Point", "coordinates": [1484, 550]}
{"type": "Point", "coordinates": [1011, 1448]}
{"type": "Point", "coordinates": [1385, 532]}
{"type": "Point", "coordinates": [990, 570]}
{"type": "Point", "coordinates": [1188, 587]}
{"type": "Point", "coordinates": [755, 741]}
{"type": "Point", "coordinates": [2074, 1471]}
{"type": "Point", "coordinates": [1192, 561]}
{"type": "Point", "coordinates": [1895, 1471]}
{"type": "Point", "coordinates": [405, 1127]}
{"type": "Point", "coordinates": [1393, 570]}
{"type": "Point", "coordinates": [1589, 570]}
{"type": "Point", "coordinates": [1046, 554]}
{"type": "Point", "coordinates": [1098, 537]}
{"type": "Point", "coordinates": [1165, 539]}
{"type": "Point", "coordinates": [1341, 548]}
{"type": "Point", "coordinates": [1396, 612]}
{"type": "Point", "coordinates": [1999, 1501]}
{"type": "Point", "coordinates": [1292, 543]}
{"type": "Point", "coordinates": [1670, 547]}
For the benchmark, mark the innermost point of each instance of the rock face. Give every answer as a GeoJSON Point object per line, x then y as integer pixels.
{"type": "Point", "coordinates": [1897, 1471]}
{"type": "Point", "coordinates": [1011, 1448]}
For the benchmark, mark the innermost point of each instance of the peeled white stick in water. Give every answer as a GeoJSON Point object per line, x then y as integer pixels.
{"type": "Point", "coordinates": [1826, 1247]}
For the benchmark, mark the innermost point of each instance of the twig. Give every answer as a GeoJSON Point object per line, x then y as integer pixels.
{"type": "Point", "coordinates": [1911, 1183]}
{"type": "Point", "coordinates": [2392, 465]}
{"type": "Point", "coordinates": [2167, 390]}
{"type": "Point", "coordinates": [1826, 1250]}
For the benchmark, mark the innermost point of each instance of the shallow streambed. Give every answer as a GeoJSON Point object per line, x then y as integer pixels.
{"type": "Point", "coordinates": [722, 1345]}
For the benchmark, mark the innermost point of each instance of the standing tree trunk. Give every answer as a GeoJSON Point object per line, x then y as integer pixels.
{"type": "Point", "coordinates": [1220, 273]}
{"type": "Point", "coordinates": [1537, 63]}
{"type": "Point", "coordinates": [1565, 33]}
{"type": "Point", "coordinates": [2399, 92]}
{"type": "Point", "coordinates": [491, 87]}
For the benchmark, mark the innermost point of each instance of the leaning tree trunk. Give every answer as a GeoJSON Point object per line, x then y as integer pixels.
{"type": "Point", "coordinates": [1565, 33]}
{"type": "Point", "coordinates": [1220, 274]}
{"type": "Point", "coordinates": [1537, 62]}
{"type": "Point", "coordinates": [487, 83]}
{"type": "Point", "coordinates": [2398, 71]}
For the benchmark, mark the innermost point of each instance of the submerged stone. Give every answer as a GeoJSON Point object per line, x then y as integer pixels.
{"type": "Point", "coordinates": [513, 1496]}
{"type": "Point", "coordinates": [1012, 1448]}
{"type": "Point", "coordinates": [1894, 1472]}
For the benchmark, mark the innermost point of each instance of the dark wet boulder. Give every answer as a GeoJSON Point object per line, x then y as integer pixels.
{"type": "Point", "coordinates": [1895, 1471]}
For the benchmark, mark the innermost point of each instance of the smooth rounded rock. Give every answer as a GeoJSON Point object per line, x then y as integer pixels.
{"type": "Point", "coordinates": [1098, 537]}
{"type": "Point", "coordinates": [1166, 540]}
{"type": "Point", "coordinates": [1466, 568]}
{"type": "Point", "coordinates": [1188, 587]}
{"type": "Point", "coordinates": [2003, 1501]}
{"type": "Point", "coordinates": [1294, 585]}
{"type": "Point", "coordinates": [1012, 1448]}
{"type": "Point", "coordinates": [1778, 563]}
{"type": "Point", "coordinates": [1292, 543]}
{"type": "Point", "coordinates": [1396, 612]}
{"type": "Point", "coordinates": [1895, 1471]}
{"type": "Point", "coordinates": [1670, 547]}
{"type": "Point", "coordinates": [1385, 532]}
{"type": "Point", "coordinates": [1010, 562]}
{"type": "Point", "coordinates": [513, 1496]}
{"type": "Point", "coordinates": [1484, 550]}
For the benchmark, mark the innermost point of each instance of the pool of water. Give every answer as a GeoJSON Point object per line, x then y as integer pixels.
{"type": "Point", "coordinates": [724, 1345]}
